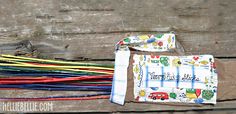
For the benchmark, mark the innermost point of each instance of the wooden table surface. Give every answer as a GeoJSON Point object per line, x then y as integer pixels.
{"type": "Point", "coordinates": [88, 30]}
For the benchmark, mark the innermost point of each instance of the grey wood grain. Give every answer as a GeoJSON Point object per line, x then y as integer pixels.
{"type": "Point", "coordinates": [89, 29]}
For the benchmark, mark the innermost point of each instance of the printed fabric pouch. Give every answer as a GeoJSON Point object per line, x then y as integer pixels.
{"type": "Point", "coordinates": [154, 68]}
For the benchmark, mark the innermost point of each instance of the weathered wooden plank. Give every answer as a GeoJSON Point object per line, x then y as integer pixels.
{"type": "Point", "coordinates": [56, 24]}
{"type": "Point", "coordinates": [69, 46]}
{"type": "Point", "coordinates": [101, 16]}
{"type": "Point", "coordinates": [106, 106]}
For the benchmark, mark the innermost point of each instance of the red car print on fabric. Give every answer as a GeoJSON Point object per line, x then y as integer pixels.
{"type": "Point", "coordinates": [158, 95]}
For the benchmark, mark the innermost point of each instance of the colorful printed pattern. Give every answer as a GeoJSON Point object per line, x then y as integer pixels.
{"type": "Point", "coordinates": [190, 79]}
{"type": "Point", "coordinates": [158, 42]}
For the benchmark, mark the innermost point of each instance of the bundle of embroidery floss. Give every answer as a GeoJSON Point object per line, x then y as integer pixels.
{"type": "Point", "coordinates": [51, 75]}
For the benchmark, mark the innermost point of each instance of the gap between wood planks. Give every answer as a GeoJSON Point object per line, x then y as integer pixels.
{"type": "Point", "coordinates": [135, 31]}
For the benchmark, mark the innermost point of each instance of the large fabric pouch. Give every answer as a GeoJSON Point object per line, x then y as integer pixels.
{"type": "Point", "coordinates": [154, 68]}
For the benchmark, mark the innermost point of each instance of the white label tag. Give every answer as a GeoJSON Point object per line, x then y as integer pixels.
{"type": "Point", "coordinates": [119, 83]}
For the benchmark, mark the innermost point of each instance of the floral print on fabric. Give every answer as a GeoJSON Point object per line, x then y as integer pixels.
{"type": "Point", "coordinates": [152, 43]}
